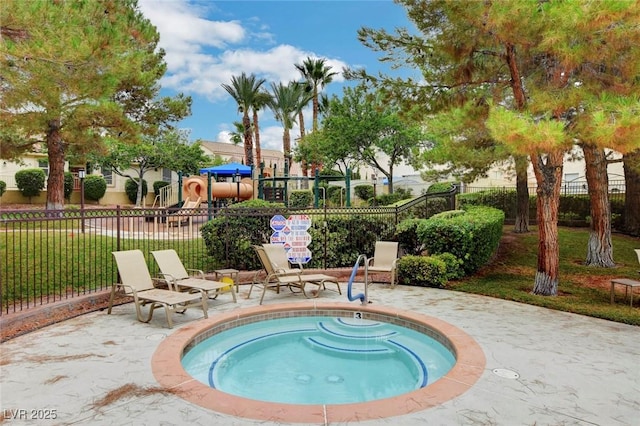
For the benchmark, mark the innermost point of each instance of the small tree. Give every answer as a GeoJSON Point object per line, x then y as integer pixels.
{"type": "Point", "coordinates": [3, 187]}
{"type": "Point", "coordinates": [131, 188]}
{"type": "Point", "coordinates": [95, 187]}
{"type": "Point", "coordinates": [30, 181]}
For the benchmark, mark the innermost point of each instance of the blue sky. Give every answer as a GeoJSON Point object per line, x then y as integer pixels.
{"type": "Point", "coordinates": [208, 42]}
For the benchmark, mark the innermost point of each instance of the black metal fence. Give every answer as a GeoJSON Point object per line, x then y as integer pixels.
{"type": "Point", "coordinates": [49, 256]}
{"type": "Point", "coordinates": [617, 189]}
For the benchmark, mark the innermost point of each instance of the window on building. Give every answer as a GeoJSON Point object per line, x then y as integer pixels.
{"type": "Point", "coordinates": [166, 175]}
{"type": "Point", "coordinates": [44, 165]}
{"type": "Point", "coordinates": [568, 177]}
{"type": "Point", "coordinates": [107, 174]}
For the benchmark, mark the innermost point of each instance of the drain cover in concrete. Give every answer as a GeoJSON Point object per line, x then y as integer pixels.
{"type": "Point", "coordinates": [157, 336]}
{"type": "Point", "coordinates": [506, 374]}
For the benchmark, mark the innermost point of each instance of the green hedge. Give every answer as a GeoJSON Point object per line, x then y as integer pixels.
{"type": "Point", "coordinates": [95, 187]}
{"type": "Point", "coordinates": [407, 236]}
{"type": "Point", "coordinates": [440, 187]}
{"type": "Point", "coordinates": [572, 207]}
{"type": "Point", "coordinates": [158, 185]}
{"type": "Point", "coordinates": [30, 181]}
{"type": "Point", "coordinates": [300, 199]}
{"type": "Point", "coordinates": [231, 236]}
{"type": "Point", "coordinates": [345, 237]}
{"type": "Point", "coordinates": [472, 235]}
{"type": "Point", "coordinates": [422, 271]}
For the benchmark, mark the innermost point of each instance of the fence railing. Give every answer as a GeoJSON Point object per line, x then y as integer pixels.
{"type": "Point", "coordinates": [617, 189]}
{"type": "Point", "coordinates": [48, 256]}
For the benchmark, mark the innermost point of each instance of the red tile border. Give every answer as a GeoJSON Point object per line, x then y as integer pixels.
{"type": "Point", "coordinates": [168, 371]}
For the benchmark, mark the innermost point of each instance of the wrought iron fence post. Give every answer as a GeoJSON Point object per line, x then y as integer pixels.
{"type": "Point", "coordinates": [118, 216]}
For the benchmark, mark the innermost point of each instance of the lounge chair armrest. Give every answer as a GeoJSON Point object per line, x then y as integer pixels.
{"type": "Point", "coordinates": [196, 272]}
{"type": "Point", "coordinates": [287, 272]}
{"type": "Point", "coordinates": [165, 279]}
{"type": "Point", "coordinates": [127, 288]}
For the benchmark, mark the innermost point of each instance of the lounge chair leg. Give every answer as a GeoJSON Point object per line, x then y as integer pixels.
{"type": "Point", "coordinates": [168, 311]}
{"type": "Point", "coordinates": [111, 297]}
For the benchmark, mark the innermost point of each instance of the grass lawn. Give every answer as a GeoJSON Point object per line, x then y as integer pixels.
{"type": "Point", "coordinates": [582, 289]}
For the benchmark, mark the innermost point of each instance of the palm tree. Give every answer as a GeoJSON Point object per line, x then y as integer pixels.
{"type": "Point", "coordinates": [305, 98]}
{"type": "Point", "coordinates": [317, 75]}
{"type": "Point", "coordinates": [285, 104]}
{"type": "Point", "coordinates": [261, 100]}
{"type": "Point", "coordinates": [237, 137]}
{"type": "Point", "coordinates": [244, 90]}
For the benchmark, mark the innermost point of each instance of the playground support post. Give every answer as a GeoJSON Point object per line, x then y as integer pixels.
{"type": "Point", "coordinates": [209, 196]}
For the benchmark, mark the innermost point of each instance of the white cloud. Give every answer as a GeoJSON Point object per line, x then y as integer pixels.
{"type": "Point", "coordinates": [200, 54]}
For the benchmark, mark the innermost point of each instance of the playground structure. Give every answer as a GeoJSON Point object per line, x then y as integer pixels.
{"type": "Point", "coordinates": [195, 187]}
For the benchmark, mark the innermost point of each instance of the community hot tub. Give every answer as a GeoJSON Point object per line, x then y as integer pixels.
{"type": "Point", "coordinates": [469, 364]}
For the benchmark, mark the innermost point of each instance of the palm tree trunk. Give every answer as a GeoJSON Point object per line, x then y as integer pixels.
{"type": "Point", "coordinates": [286, 145]}
{"type": "Point", "coordinates": [599, 248]}
{"type": "Point", "coordinates": [549, 179]}
{"type": "Point", "coordinates": [304, 165]}
{"type": "Point", "coordinates": [256, 131]}
{"type": "Point", "coordinates": [248, 140]}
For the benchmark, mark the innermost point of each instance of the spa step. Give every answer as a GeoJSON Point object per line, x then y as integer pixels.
{"type": "Point", "coordinates": [341, 331]}
{"type": "Point", "coordinates": [361, 349]}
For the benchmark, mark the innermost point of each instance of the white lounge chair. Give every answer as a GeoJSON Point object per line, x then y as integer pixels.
{"type": "Point", "coordinates": [293, 279]}
{"type": "Point", "coordinates": [172, 269]}
{"type": "Point", "coordinates": [136, 282]}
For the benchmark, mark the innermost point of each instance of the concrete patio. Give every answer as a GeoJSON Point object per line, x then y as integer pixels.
{"type": "Point", "coordinates": [543, 367]}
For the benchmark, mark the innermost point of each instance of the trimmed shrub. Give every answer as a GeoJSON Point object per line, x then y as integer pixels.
{"type": "Point", "coordinates": [3, 187]}
{"type": "Point", "coordinates": [440, 187]}
{"type": "Point", "coordinates": [576, 207]}
{"type": "Point", "coordinates": [472, 236]}
{"type": "Point", "coordinates": [346, 237]}
{"type": "Point", "coordinates": [335, 195]}
{"type": "Point", "coordinates": [423, 271]}
{"type": "Point", "coordinates": [30, 181]}
{"type": "Point", "coordinates": [300, 199]}
{"type": "Point", "coordinates": [407, 236]}
{"type": "Point", "coordinates": [229, 238]}
{"type": "Point", "coordinates": [453, 264]}
{"type": "Point", "coordinates": [94, 187]}
{"type": "Point", "coordinates": [499, 199]}
{"type": "Point", "coordinates": [68, 184]}
{"type": "Point", "coordinates": [131, 188]}
{"type": "Point", "coordinates": [433, 206]}
{"type": "Point", "coordinates": [388, 199]}
{"type": "Point", "coordinates": [364, 192]}
{"type": "Point", "coordinates": [158, 185]}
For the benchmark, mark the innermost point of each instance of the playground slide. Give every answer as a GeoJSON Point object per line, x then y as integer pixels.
{"type": "Point", "coordinates": [196, 186]}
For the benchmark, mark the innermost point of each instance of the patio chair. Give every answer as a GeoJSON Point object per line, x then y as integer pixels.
{"type": "Point", "coordinates": [384, 259]}
{"type": "Point", "coordinates": [137, 282]}
{"type": "Point", "coordinates": [638, 253]}
{"type": "Point", "coordinates": [183, 215]}
{"type": "Point", "coordinates": [191, 280]}
{"type": "Point", "coordinates": [280, 261]}
{"type": "Point", "coordinates": [292, 279]}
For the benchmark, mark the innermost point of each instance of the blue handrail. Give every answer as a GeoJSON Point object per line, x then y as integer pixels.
{"type": "Point", "coordinates": [362, 296]}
